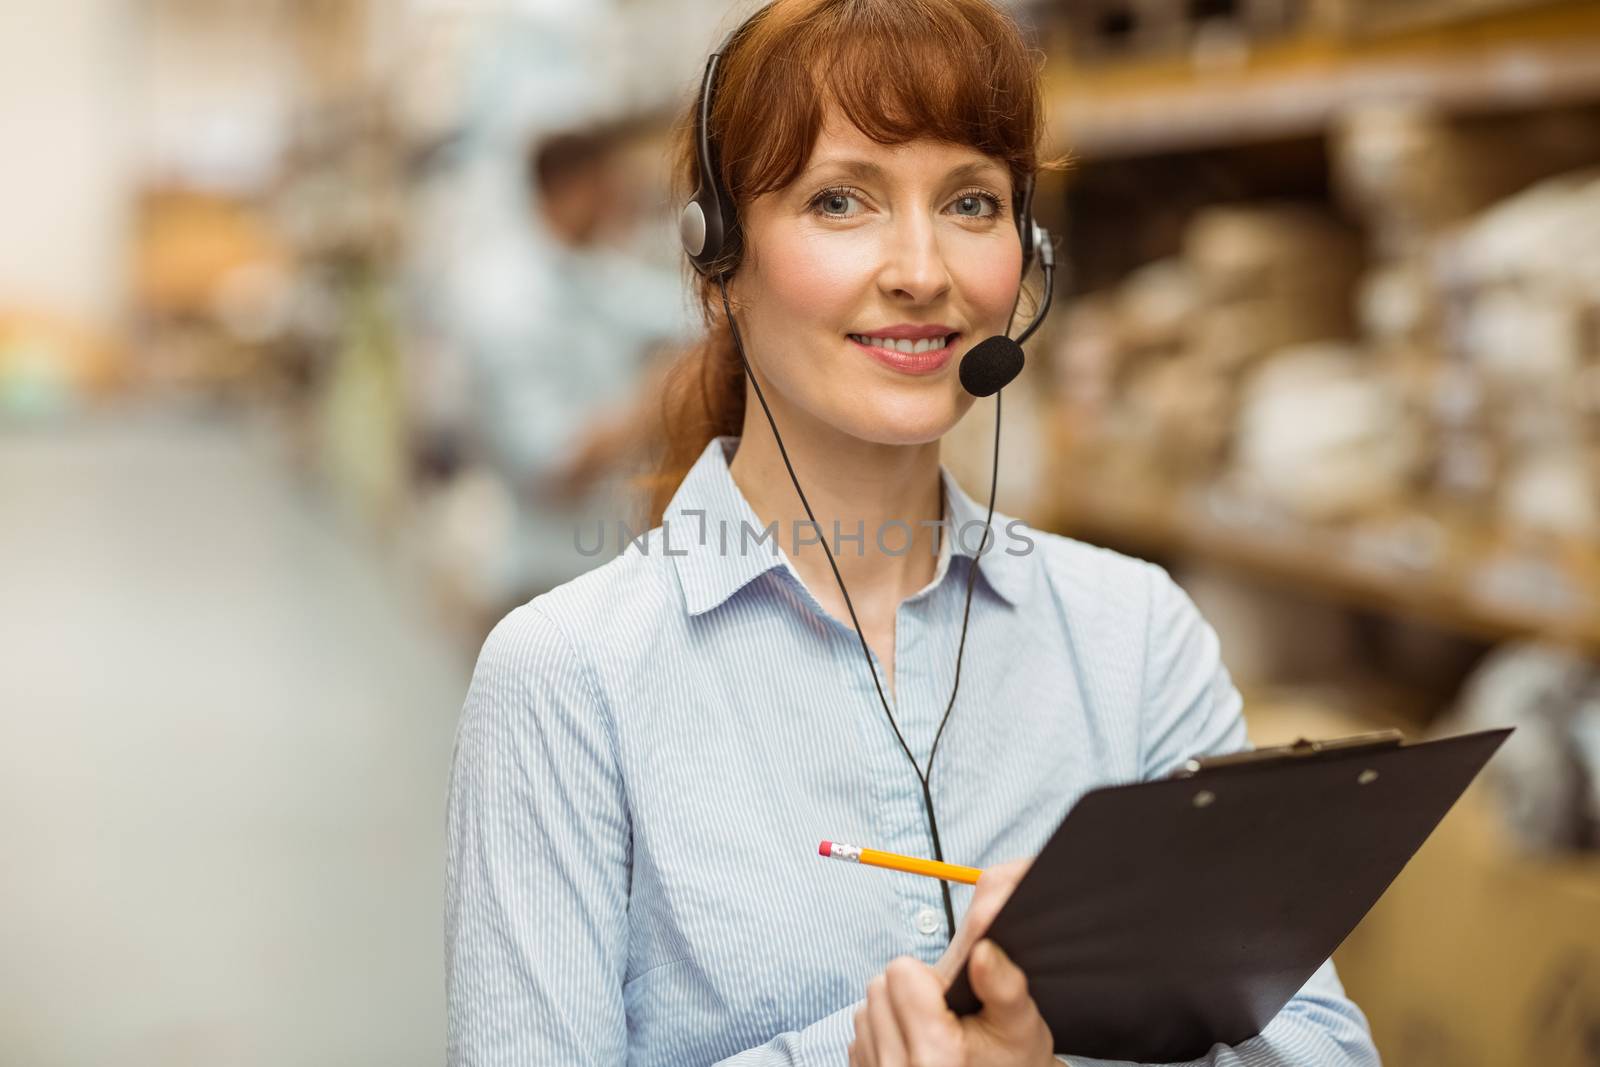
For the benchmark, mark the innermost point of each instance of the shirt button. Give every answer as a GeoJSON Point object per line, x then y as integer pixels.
{"type": "Point", "coordinates": [929, 921]}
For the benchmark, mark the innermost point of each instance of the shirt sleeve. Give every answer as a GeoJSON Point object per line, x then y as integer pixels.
{"type": "Point", "coordinates": [1319, 1025]}
{"type": "Point", "coordinates": [1191, 707]}
{"type": "Point", "coordinates": [538, 861]}
{"type": "Point", "coordinates": [538, 871]}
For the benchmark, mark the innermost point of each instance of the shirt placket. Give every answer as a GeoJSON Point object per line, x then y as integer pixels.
{"type": "Point", "coordinates": [921, 901]}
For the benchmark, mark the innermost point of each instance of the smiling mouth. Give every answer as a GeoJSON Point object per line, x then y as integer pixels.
{"type": "Point", "coordinates": [909, 348]}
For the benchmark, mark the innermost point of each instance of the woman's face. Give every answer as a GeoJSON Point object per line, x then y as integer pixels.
{"type": "Point", "coordinates": [871, 250]}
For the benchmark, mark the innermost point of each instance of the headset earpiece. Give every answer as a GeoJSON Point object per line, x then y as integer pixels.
{"type": "Point", "coordinates": [1030, 232]}
{"type": "Point", "coordinates": [707, 223]}
{"type": "Point", "coordinates": [702, 230]}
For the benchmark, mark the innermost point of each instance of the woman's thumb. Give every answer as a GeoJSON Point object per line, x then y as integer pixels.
{"type": "Point", "coordinates": [998, 983]}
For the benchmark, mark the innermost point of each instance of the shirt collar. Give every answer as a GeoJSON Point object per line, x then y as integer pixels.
{"type": "Point", "coordinates": [716, 541]}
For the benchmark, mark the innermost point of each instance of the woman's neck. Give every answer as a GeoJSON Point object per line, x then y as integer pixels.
{"type": "Point", "coordinates": [863, 487]}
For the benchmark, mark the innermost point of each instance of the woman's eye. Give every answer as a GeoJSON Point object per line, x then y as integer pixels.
{"type": "Point", "coordinates": [834, 203]}
{"type": "Point", "coordinates": [976, 205]}
{"type": "Point", "coordinates": [842, 203]}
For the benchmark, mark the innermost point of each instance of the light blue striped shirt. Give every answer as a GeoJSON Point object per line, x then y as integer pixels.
{"type": "Point", "coordinates": [649, 755]}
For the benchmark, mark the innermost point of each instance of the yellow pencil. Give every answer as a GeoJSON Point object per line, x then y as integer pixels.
{"type": "Point", "coordinates": [950, 872]}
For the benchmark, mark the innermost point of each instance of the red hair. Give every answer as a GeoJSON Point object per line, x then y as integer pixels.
{"type": "Point", "coordinates": [960, 72]}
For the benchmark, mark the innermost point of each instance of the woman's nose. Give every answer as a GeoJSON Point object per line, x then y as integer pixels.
{"type": "Point", "coordinates": [914, 268]}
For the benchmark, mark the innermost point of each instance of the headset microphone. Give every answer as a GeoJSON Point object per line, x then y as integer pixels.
{"type": "Point", "coordinates": [991, 365]}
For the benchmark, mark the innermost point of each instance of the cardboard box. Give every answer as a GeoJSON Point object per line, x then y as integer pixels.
{"type": "Point", "coordinates": [1478, 955]}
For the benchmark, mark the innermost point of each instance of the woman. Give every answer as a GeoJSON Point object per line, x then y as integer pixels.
{"type": "Point", "coordinates": [649, 755]}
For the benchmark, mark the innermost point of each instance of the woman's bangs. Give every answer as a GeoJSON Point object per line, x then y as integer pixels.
{"type": "Point", "coordinates": [898, 70]}
{"type": "Point", "coordinates": [896, 81]}
{"type": "Point", "coordinates": [919, 93]}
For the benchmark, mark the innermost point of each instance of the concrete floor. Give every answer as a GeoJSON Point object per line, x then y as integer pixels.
{"type": "Point", "coordinates": [225, 729]}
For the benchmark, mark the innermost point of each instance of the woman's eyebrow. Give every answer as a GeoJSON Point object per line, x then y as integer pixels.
{"type": "Point", "coordinates": [851, 168]}
{"type": "Point", "coordinates": [864, 169]}
{"type": "Point", "coordinates": [971, 172]}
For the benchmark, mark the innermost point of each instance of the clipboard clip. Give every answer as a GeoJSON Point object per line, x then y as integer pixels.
{"type": "Point", "coordinates": [1301, 749]}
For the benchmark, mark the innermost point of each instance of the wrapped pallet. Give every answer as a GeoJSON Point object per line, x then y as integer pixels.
{"type": "Point", "coordinates": [1326, 437]}
{"type": "Point", "coordinates": [1522, 283]}
{"type": "Point", "coordinates": [1267, 276]}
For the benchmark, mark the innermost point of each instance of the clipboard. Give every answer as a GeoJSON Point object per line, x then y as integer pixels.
{"type": "Point", "coordinates": [1167, 916]}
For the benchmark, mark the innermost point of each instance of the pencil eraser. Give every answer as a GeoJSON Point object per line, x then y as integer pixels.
{"type": "Point", "coordinates": [825, 849]}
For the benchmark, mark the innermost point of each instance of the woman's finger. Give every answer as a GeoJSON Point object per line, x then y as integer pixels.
{"type": "Point", "coordinates": [994, 888]}
{"type": "Point", "coordinates": [861, 1050]}
{"type": "Point", "coordinates": [949, 964]}
{"type": "Point", "coordinates": [1003, 988]}
{"type": "Point", "coordinates": [929, 1029]}
{"type": "Point", "coordinates": [889, 1047]}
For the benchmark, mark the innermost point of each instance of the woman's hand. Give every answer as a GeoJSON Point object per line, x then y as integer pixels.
{"type": "Point", "coordinates": [905, 1022]}
{"type": "Point", "coordinates": [992, 891]}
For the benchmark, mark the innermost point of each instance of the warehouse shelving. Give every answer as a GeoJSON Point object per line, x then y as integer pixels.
{"type": "Point", "coordinates": [1449, 573]}
{"type": "Point", "coordinates": [1294, 88]}
{"type": "Point", "coordinates": [1446, 568]}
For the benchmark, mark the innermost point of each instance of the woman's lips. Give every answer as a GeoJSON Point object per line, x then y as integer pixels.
{"type": "Point", "coordinates": [911, 362]}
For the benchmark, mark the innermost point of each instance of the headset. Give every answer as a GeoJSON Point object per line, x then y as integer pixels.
{"type": "Point", "coordinates": [709, 223]}
{"type": "Point", "coordinates": [709, 229]}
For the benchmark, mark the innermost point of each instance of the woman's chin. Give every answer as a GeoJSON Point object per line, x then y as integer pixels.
{"type": "Point", "coordinates": [904, 424]}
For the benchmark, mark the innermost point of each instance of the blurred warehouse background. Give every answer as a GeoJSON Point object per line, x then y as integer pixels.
{"type": "Point", "coordinates": [311, 356]}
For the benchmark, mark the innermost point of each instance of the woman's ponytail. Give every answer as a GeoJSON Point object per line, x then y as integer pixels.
{"type": "Point", "coordinates": [702, 398]}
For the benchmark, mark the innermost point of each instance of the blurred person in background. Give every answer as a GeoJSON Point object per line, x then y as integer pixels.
{"type": "Point", "coordinates": [559, 368]}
